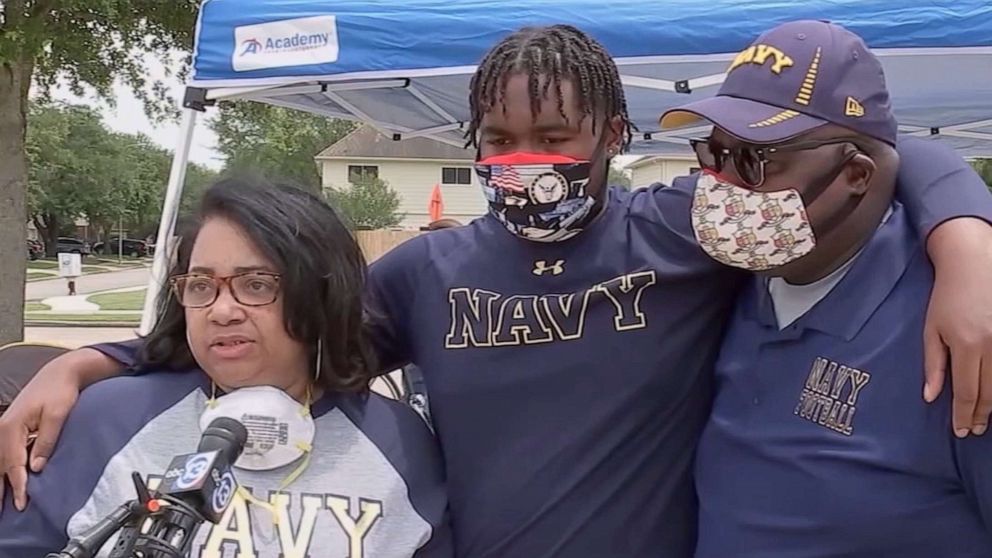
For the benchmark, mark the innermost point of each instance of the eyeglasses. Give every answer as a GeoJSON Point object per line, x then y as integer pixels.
{"type": "Point", "coordinates": [254, 288]}
{"type": "Point", "coordinates": [749, 161]}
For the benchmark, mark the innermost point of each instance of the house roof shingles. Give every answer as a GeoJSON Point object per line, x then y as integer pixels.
{"type": "Point", "coordinates": [367, 143]}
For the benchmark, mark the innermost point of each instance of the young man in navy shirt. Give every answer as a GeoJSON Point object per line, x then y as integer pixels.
{"type": "Point", "coordinates": [819, 444]}
{"type": "Point", "coordinates": [567, 338]}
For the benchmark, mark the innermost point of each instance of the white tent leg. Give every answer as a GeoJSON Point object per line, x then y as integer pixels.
{"type": "Point", "coordinates": [170, 210]}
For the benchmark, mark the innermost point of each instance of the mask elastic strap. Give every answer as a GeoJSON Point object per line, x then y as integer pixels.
{"type": "Point", "coordinates": [320, 360]}
{"type": "Point", "coordinates": [290, 479]}
{"type": "Point", "coordinates": [305, 408]}
{"type": "Point", "coordinates": [267, 506]}
{"type": "Point", "coordinates": [307, 450]}
{"type": "Point", "coordinates": [212, 401]}
{"type": "Point", "coordinates": [837, 218]}
{"type": "Point", "coordinates": [844, 211]}
{"type": "Point", "coordinates": [810, 195]}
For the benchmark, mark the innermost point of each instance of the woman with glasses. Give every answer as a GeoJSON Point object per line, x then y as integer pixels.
{"type": "Point", "coordinates": [263, 323]}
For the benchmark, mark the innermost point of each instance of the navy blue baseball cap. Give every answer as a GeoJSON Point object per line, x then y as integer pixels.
{"type": "Point", "coordinates": [795, 78]}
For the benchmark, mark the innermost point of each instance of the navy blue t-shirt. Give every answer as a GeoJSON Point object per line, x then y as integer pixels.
{"type": "Point", "coordinates": [820, 443]}
{"type": "Point", "coordinates": [569, 382]}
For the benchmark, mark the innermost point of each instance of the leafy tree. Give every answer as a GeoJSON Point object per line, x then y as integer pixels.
{"type": "Point", "coordinates": [275, 142]}
{"type": "Point", "coordinates": [72, 160]}
{"type": "Point", "coordinates": [984, 169]}
{"type": "Point", "coordinates": [618, 177]}
{"type": "Point", "coordinates": [81, 43]}
{"type": "Point", "coordinates": [78, 168]}
{"type": "Point", "coordinates": [366, 205]}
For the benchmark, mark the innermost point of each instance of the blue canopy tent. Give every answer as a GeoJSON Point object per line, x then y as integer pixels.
{"type": "Point", "coordinates": [403, 66]}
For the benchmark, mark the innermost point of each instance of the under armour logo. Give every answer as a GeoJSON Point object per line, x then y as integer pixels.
{"type": "Point", "coordinates": [541, 267]}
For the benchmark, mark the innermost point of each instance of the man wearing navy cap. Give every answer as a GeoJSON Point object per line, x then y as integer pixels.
{"type": "Point", "coordinates": [818, 444]}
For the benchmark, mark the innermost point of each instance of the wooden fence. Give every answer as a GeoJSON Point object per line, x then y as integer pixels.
{"type": "Point", "coordinates": [376, 243]}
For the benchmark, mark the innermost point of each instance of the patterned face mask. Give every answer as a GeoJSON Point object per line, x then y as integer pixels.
{"type": "Point", "coordinates": [747, 229]}
{"type": "Point", "coordinates": [538, 196]}
{"type": "Point", "coordinates": [756, 230]}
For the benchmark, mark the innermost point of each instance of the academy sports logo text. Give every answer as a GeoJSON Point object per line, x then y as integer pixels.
{"type": "Point", "coordinates": [290, 42]}
{"type": "Point", "coordinates": [294, 43]}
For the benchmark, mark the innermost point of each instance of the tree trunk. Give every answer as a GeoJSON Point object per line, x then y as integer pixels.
{"type": "Point", "coordinates": [48, 228]}
{"type": "Point", "coordinates": [14, 81]}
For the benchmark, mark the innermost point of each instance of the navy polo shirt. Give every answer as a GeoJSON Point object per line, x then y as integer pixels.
{"type": "Point", "coordinates": [820, 443]}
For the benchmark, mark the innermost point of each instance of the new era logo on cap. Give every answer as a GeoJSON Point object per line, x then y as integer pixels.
{"type": "Point", "coordinates": [795, 78]}
{"type": "Point", "coordinates": [853, 108]}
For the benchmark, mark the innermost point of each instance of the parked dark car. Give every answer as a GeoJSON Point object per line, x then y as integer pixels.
{"type": "Point", "coordinates": [68, 245]}
{"type": "Point", "coordinates": [35, 250]}
{"type": "Point", "coordinates": [131, 247]}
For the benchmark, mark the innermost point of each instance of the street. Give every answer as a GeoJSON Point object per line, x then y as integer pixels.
{"type": "Point", "coordinates": [86, 284]}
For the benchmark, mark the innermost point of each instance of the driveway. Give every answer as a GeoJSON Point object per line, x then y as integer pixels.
{"type": "Point", "coordinates": [37, 290]}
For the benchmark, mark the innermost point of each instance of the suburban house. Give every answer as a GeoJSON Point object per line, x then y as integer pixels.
{"type": "Point", "coordinates": [411, 167]}
{"type": "Point", "coordinates": [661, 168]}
{"type": "Point", "coordinates": [82, 229]}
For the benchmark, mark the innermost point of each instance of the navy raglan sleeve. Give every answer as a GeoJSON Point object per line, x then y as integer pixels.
{"type": "Point", "coordinates": [392, 289]}
{"type": "Point", "coordinates": [106, 418]}
{"type": "Point", "coordinates": [36, 531]}
{"type": "Point", "coordinates": [125, 352]}
{"type": "Point", "coordinates": [667, 211]}
{"type": "Point", "coordinates": [974, 455]}
{"type": "Point", "coordinates": [59, 492]}
{"type": "Point", "coordinates": [410, 447]}
{"type": "Point", "coordinates": [935, 185]}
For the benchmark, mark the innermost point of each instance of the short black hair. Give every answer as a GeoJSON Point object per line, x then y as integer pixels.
{"type": "Point", "coordinates": [556, 52]}
{"type": "Point", "coordinates": [323, 274]}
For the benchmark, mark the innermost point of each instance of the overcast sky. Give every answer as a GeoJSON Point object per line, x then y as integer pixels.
{"type": "Point", "coordinates": [129, 116]}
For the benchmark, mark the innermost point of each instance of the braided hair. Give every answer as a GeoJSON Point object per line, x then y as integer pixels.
{"type": "Point", "coordinates": [556, 53]}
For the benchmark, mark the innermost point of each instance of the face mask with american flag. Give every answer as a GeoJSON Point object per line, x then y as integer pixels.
{"type": "Point", "coordinates": [537, 196]}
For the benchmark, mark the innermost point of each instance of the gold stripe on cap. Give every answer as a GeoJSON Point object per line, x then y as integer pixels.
{"type": "Point", "coordinates": [806, 90]}
{"type": "Point", "coordinates": [777, 119]}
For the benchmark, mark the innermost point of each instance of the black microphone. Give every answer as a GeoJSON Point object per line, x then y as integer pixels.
{"type": "Point", "coordinates": [203, 480]}
{"type": "Point", "coordinates": [197, 487]}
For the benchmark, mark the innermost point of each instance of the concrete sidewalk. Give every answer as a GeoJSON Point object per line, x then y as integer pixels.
{"type": "Point", "coordinates": [88, 284]}
{"type": "Point", "coordinates": [68, 305]}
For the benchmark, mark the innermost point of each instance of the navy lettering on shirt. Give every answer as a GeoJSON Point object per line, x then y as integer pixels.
{"type": "Point", "coordinates": [830, 396]}
{"type": "Point", "coordinates": [486, 319]}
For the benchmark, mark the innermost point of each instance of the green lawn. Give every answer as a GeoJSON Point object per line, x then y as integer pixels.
{"type": "Point", "coordinates": [38, 276]}
{"type": "Point", "coordinates": [128, 319]}
{"type": "Point", "coordinates": [43, 264]}
{"type": "Point", "coordinates": [35, 307]}
{"type": "Point", "coordinates": [132, 300]}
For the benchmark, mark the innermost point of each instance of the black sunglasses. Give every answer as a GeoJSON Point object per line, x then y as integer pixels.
{"type": "Point", "coordinates": [749, 161]}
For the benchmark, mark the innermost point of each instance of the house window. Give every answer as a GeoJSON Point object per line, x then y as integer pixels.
{"type": "Point", "coordinates": [456, 175]}
{"type": "Point", "coordinates": [362, 173]}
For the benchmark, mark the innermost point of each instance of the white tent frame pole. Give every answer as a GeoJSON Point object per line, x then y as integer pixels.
{"type": "Point", "coordinates": [361, 115]}
{"type": "Point", "coordinates": [428, 132]}
{"type": "Point", "coordinates": [164, 248]}
{"type": "Point", "coordinates": [261, 92]}
{"type": "Point", "coordinates": [706, 81]}
{"type": "Point", "coordinates": [416, 92]}
{"type": "Point", "coordinates": [648, 83]}
{"type": "Point", "coordinates": [970, 135]}
{"type": "Point", "coordinates": [356, 111]}
{"type": "Point", "coordinates": [668, 85]}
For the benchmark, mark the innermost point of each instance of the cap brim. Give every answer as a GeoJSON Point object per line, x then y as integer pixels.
{"type": "Point", "coordinates": [748, 120]}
